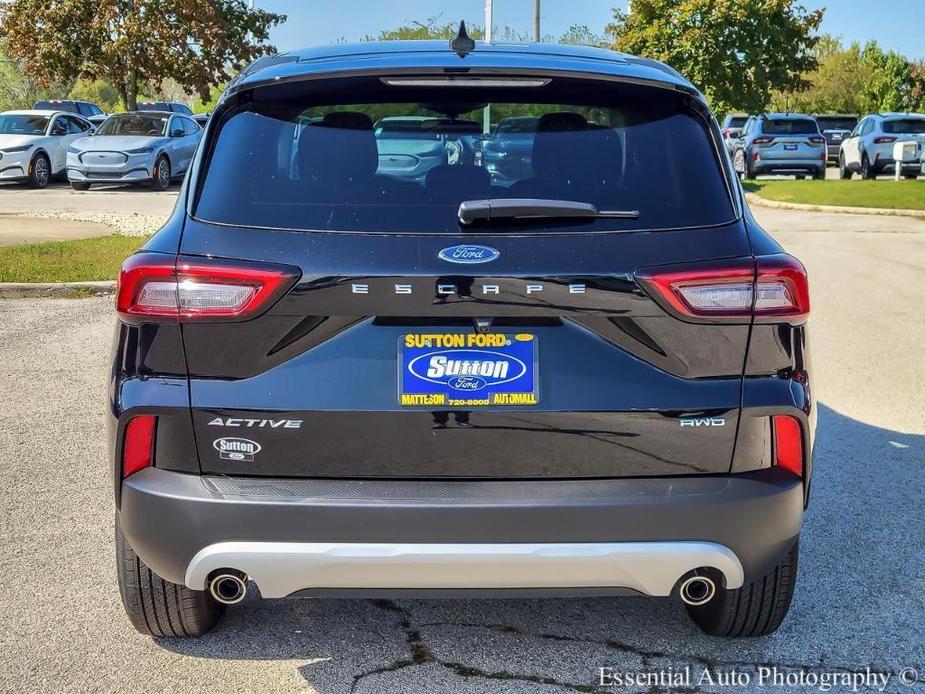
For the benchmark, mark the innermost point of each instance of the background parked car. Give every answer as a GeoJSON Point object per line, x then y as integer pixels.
{"type": "Point", "coordinates": [152, 147]}
{"type": "Point", "coordinates": [868, 150]}
{"type": "Point", "coordinates": [732, 128]}
{"type": "Point", "coordinates": [508, 154]}
{"type": "Point", "coordinates": [835, 128]}
{"type": "Point", "coordinates": [171, 106]}
{"type": "Point", "coordinates": [780, 143]}
{"type": "Point", "coordinates": [87, 109]}
{"type": "Point", "coordinates": [410, 146]}
{"type": "Point", "coordinates": [33, 144]}
{"type": "Point", "coordinates": [202, 118]}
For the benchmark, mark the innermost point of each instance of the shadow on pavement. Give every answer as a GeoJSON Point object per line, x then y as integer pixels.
{"type": "Point", "coordinates": [65, 186]}
{"type": "Point", "coordinates": [859, 603]}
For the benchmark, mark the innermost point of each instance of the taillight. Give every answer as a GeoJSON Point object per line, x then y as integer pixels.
{"type": "Point", "coordinates": [772, 288]}
{"type": "Point", "coordinates": [816, 140]}
{"type": "Point", "coordinates": [763, 140]}
{"type": "Point", "coordinates": [788, 444]}
{"type": "Point", "coordinates": [156, 286]}
{"type": "Point", "coordinates": [138, 444]}
{"type": "Point", "coordinates": [885, 140]}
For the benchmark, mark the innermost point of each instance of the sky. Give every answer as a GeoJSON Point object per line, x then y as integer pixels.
{"type": "Point", "coordinates": [895, 24]}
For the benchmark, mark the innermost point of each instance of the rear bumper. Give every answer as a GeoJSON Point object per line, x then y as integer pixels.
{"type": "Point", "coordinates": [286, 568]}
{"type": "Point", "coordinates": [889, 164]}
{"type": "Point", "coordinates": [379, 536]}
{"type": "Point", "coordinates": [783, 165]}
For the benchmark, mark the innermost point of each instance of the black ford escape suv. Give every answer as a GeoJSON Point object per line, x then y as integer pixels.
{"type": "Point", "coordinates": [591, 379]}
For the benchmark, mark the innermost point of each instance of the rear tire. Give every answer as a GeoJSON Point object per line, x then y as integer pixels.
{"type": "Point", "coordinates": [157, 607]}
{"type": "Point", "coordinates": [911, 177]}
{"type": "Point", "coordinates": [745, 164]}
{"type": "Point", "coordinates": [756, 609]}
{"type": "Point", "coordinates": [866, 173]}
{"type": "Point", "coordinates": [843, 172]}
{"type": "Point", "coordinates": [78, 185]}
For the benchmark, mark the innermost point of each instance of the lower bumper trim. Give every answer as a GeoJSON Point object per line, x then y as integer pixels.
{"type": "Point", "coordinates": [281, 569]}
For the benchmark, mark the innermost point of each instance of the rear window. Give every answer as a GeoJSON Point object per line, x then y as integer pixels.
{"type": "Point", "coordinates": [836, 123]}
{"type": "Point", "coordinates": [906, 126]}
{"type": "Point", "coordinates": [790, 126]}
{"type": "Point", "coordinates": [50, 105]}
{"type": "Point", "coordinates": [406, 166]}
{"type": "Point", "coordinates": [736, 121]}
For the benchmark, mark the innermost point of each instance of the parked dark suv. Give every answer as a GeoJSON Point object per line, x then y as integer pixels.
{"type": "Point", "coordinates": [332, 381]}
{"type": "Point", "coordinates": [835, 128]}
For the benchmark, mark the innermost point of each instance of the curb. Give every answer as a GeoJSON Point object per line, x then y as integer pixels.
{"type": "Point", "coordinates": [18, 290]}
{"type": "Point", "coordinates": [759, 201]}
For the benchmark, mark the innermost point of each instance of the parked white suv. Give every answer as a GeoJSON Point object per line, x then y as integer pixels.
{"type": "Point", "coordinates": [868, 150]}
{"type": "Point", "coordinates": [33, 144]}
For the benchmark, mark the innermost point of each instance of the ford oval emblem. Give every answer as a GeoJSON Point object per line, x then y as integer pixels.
{"type": "Point", "coordinates": [468, 254]}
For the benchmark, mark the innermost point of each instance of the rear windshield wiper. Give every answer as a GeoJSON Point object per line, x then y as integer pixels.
{"type": "Point", "coordinates": [472, 211]}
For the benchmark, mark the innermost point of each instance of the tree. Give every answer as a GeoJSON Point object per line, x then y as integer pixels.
{"type": "Point", "coordinates": [917, 93]}
{"type": "Point", "coordinates": [135, 44]}
{"type": "Point", "coordinates": [856, 80]}
{"type": "Point", "coordinates": [888, 80]}
{"type": "Point", "coordinates": [99, 92]}
{"type": "Point", "coordinates": [17, 90]}
{"type": "Point", "coordinates": [834, 87]}
{"type": "Point", "coordinates": [581, 35]}
{"type": "Point", "coordinates": [435, 28]}
{"type": "Point", "coordinates": [431, 28]}
{"type": "Point", "coordinates": [735, 51]}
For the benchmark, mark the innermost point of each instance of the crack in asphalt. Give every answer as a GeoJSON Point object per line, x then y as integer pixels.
{"type": "Point", "coordinates": [421, 654]}
{"type": "Point", "coordinates": [645, 655]}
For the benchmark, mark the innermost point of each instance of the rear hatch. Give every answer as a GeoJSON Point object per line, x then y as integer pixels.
{"type": "Point", "coordinates": [413, 346]}
{"type": "Point", "coordinates": [790, 138]}
{"type": "Point", "coordinates": [907, 130]}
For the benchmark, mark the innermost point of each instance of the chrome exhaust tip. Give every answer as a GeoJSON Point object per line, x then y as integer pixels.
{"type": "Point", "coordinates": [697, 590]}
{"type": "Point", "coordinates": [228, 586]}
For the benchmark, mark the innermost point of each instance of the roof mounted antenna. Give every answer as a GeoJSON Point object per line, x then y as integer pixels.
{"type": "Point", "coordinates": [462, 44]}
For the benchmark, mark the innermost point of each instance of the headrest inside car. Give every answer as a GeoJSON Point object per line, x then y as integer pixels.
{"type": "Point", "coordinates": [561, 121]}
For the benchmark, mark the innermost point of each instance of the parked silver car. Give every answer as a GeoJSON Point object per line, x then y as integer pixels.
{"type": "Point", "coordinates": [33, 144]}
{"type": "Point", "coordinates": [780, 143]}
{"type": "Point", "coordinates": [152, 147]}
{"type": "Point", "coordinates": [868, 150]}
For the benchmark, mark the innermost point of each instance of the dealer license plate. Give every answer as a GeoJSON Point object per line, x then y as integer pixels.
{"type": "Point", "coordinates": [467, 370]}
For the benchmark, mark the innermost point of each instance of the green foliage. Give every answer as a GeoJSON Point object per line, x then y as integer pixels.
{"type": "Point", "coordinates": [98, 91]}
{"type": "Point", "coordinates": [133, 43]}
{"type": "Point", "coordinates": [735, 51]}
{"type": "Point", "coordinates": [859, 80]}
{"type": "Point", "coordinates": [581, 35]}
{"type": "Point", "coordinates": [17, 89]}
{"type": "Point", "coordinates": [435, 28]}
{"type": "Point", "coordinates": [430, 28]}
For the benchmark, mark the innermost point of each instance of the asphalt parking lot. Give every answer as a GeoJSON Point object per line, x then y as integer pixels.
{"type": "Point", "coordinates": [859, 602]}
